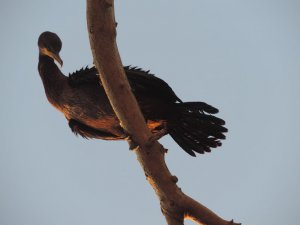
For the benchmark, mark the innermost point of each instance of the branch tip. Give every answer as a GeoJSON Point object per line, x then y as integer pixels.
{"type": "Point", "coordinates": [91, 30]}
{"type": "Point", "coordinates": [164, 150]}
{"type": "Point", "coordinates": [109, 3]}
{"type": "Point", "coordinates": [231, 222]}
{"type": "Point", "coordinates": [174, 179]}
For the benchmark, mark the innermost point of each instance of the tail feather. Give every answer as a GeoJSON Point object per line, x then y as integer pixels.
{"type": "Point", "coordinates": [186, 144]}
{"type": "Point", "coordinates": [207, 126]}
{"type": "Point", "coordinates": [195, 129]}
{"type": "Point", "coordinates": [201, 106]}
{"type": "Point", "coordinates": [207, 117]}
{"type": "Point", "coordinates": [200, 138]}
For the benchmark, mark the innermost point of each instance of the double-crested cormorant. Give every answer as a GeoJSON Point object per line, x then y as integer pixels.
{"type": "Point", "coordinates": [82, 99]}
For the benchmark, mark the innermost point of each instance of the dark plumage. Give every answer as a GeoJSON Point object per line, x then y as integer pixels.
{"type": "Point", "coordinates": [82, 99]}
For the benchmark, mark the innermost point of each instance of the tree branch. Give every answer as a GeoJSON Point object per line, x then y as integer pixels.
{"type": "Point", "coordinates": [175, 205]}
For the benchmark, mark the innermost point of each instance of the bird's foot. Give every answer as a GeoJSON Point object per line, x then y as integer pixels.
{"type": "Point", "coordinates": [132, 144]}
{"type": "Point", "coordinates": [156, 136]}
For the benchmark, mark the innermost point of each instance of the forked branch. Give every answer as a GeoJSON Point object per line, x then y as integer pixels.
{"type": "Point", "coordinates": [175, 205]}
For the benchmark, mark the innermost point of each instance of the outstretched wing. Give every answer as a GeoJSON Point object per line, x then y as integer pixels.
{"type": "Point", "coordinates": [141, 82]}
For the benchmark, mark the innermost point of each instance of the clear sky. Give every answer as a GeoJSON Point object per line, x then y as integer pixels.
{"type": "Point", "coordinates": [240, 56]}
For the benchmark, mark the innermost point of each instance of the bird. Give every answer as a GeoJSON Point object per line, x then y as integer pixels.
{"type": "Point", "coordinates": [80, 96]}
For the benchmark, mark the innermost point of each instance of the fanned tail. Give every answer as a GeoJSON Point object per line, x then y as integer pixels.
{"type": "Point", "coordinates": [195, 129]}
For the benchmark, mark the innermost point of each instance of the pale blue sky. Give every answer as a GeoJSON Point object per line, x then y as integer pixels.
{"type": "Point", "coordinates": [240, 56]}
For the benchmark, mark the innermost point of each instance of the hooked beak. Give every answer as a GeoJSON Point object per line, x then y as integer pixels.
{"type": "Point", "coordinates": [57, 58]}
{"type": "Point", "coordinates": [53, 55]}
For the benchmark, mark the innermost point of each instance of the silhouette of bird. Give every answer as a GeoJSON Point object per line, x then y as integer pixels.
{"type": "Point", "coordinates": [82, 99]}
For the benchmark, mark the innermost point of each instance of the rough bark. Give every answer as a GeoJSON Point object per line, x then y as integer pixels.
{"type": "Point", "coordinates": [175, 205]}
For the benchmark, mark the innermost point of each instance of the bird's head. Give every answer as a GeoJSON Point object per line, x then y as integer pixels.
{"type": "Point", "coordinates": [50, 45]}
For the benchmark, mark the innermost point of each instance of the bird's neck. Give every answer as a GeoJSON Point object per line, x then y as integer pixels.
{"type": "Point", "coordinates": [53, 79]}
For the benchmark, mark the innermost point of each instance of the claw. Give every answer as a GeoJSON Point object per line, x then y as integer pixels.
{"type": "Point", "coordinates": [157, 135]}
{"type": "Point", "coordinates": [132, 144]}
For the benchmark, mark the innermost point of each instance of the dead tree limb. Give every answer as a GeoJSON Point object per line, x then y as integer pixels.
{"type": "Point", "coordinates": [175, 205]}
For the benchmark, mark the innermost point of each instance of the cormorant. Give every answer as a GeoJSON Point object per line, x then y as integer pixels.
{"type": "Point", "coordinates": [82, 99]}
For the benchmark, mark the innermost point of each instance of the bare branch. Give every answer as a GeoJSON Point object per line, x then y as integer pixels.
{"type": "Point", "coordinates": [175, 205]}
